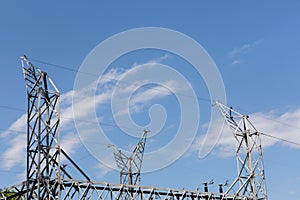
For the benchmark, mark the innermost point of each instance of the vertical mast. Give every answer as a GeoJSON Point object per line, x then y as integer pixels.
{"type": "Point", "coordinates": [43, 171]}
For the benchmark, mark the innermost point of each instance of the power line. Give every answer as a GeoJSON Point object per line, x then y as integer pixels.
{"type": "Point", "coordinates": [14, 131]}
{"type": "Point", "coordinates": [149, 87]}
{"type": "Point", "coordinates": [62, 67]}
{"type": "Point", "coordinates": [81, 120]}
{"type": "Point", "coordinates": [72, 139]}
{"type": "Point", "coordinates": [114, 79]}
{"type": "Point", "coordinates": [82, 157]}
{"type": "Point", "coordinates": [274, 120]}
{"type": "Point", "coordinates": [116, 126]}
{"type": "Point", "coordinates": [11, 172]}
{"type": "Point", "coordinates": [113, 125]}
{"type": "Point", "coordinates": [145, 86]}
{"type": "Point", "coordinates": [278, 138]}
{"type": "Point", "coordinates": [12, 108]}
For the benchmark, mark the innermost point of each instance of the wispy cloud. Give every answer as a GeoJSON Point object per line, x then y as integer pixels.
{"type": "Point", "coordinates": [280, 125]}
{"type": "Point", "coordinates": [16, 145]}
{"type": "Point", "coordinates": [159, 59]}
{"type": "Point", "coordinates": [283, 126]}
{"type": "Point", "coordinates": [18, 126]}
{"type": "Point", "coordinates": [244, 49]}
{"type": "Point", "coordinates": [102, 170]}
{"type": "Point", "coordinates": [147, 92]}
{"type": "Point", "coordinates": [14, 152]}
{"type": "Point", "coordinates": [237, 53]}
{"type": "Point", "coordinates": [156, 60]}
{"type": "Point", "coordinates": [141, 99]}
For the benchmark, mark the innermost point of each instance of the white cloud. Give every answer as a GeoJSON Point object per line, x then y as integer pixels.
{"type": "Point", "coordinates": [14, 153]}
{"type": "Point", "coordinates": [159, 59]}
{"type": "Point", "coordinates": [137, 101]}
{"type": "Point", "coordinates": [281, 126]}
{"type": "Point", "coordinates": [70, 142]}
{"type": "Point", "coordinates": [220, 143]}
{"type": "Point", "coordinates": [236, 62]}
{"type": "Point", "coordinates": [148, 93]}
{"type": "Point", "coordinates": [238, 52]}
{"type": "Point", "coordinates": [18, 126]}
{"type": "Point", "coordinates": [155, 60]}
{"type": "Point", "coordinates": [165, 89]}
{"type": "Point", "coordinates": [244, 49]}
{"type": "Point", "coordinates": [102, 170]}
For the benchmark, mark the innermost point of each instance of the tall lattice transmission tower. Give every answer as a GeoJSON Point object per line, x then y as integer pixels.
{"type": "Point", "coordinates": [130, 167]}
{"type": "Point", "coordinates": [44, 171]}
{"type": "Point", "coordinates": [250, 179]}
{"type": "Point", "coordinates": [43, 145]}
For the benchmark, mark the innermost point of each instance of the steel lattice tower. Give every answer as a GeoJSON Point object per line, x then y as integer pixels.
{"type": "Point", "coordinates": [130, 167]}
{"type": "Point", "coordinates": [44, 171]}
{"type": "Point", "coordinates": [43, 149]}
{"type": "Point", "coordinates": [251, 176]}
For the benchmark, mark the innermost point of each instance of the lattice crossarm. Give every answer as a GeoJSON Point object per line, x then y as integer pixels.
{"type": "Point", "coordinates": [120, 158]}
{"type": "Point", "coordinates": [138, 153]}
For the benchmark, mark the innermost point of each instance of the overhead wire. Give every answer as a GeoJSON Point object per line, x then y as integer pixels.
{"type": "Point", "coordinates": [62, 67]}
{"type": "Point", "coordinates": [274, 120]}
{"type": "Point", "coordinates": [116, 126]}
{"type": "Point", "coordinates": [114, 79]}
{"type": "Point", "coordinates": [264, 134]}
{"type": "Point", "coordinates": [282, 139]}
{"type": "Point", "coordinates": [145, 86]}
{"type": "Point", "coordinates": [12, 108]}
{"type": "Point", "coordinates": [11, 172]}
{"type": "Point", "coordinates": [113, 125]}
{"type": "Point", "coordinates": [70, 118]}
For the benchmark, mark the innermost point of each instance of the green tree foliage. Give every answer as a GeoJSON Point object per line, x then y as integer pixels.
{"type": "Point", "coordinates": [11, 195]}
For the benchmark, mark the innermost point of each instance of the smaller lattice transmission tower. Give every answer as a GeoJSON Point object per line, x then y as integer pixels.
{"type": "Point", "coordinates": [130, 167]}
{"type": "Point", "coordinates": [250, 180]}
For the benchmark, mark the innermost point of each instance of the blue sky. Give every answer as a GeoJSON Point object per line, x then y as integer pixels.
{"type": "Point", "coordinates": [254, 45]}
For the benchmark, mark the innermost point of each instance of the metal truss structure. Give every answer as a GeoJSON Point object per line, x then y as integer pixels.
{"type": "Point", "coordinates": [44, 173]}
{"type": "Point", "coordinates": [88, 190]}
{"type": "Point", "coordinates": [130, 167]}
{"type": "Point", "coordinates": [251, 176]}
{"type": "Point", "coordinates": [43, 149]}
{"type": "Point", "coordinates": [47, 179]}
